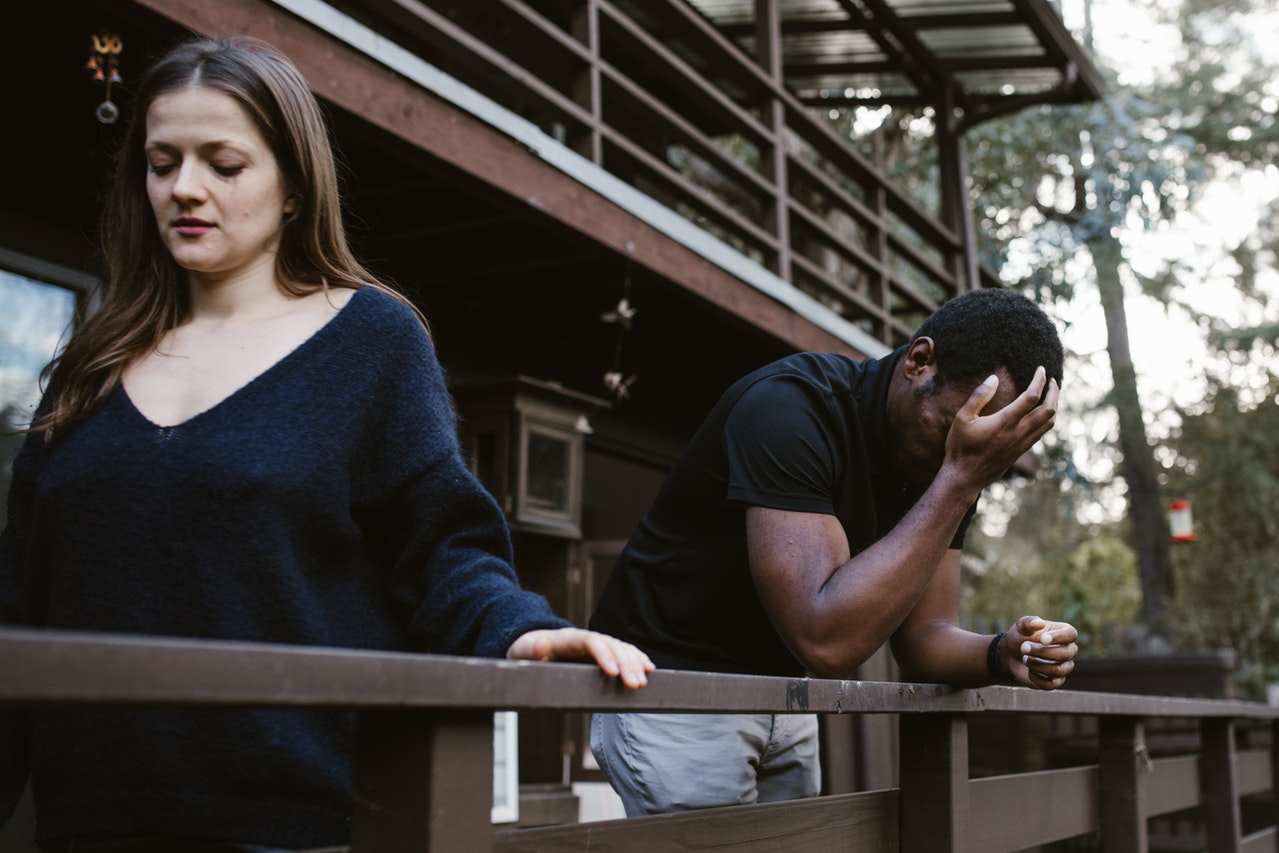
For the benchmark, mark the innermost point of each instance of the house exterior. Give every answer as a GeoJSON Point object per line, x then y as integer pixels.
{"type": "Point", "coordinates": [521, 167]}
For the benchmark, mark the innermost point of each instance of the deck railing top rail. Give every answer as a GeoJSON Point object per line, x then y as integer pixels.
{"type": "Point", "coordinates": [53, 666]}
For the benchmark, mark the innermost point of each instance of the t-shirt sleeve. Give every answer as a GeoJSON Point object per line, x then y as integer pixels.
{"type": "Point", "coordinates": [962, 532]}
{"type": "Point", "coordinates": [445, 540]}
{"type": "Point", "coordinates": [781, 448]}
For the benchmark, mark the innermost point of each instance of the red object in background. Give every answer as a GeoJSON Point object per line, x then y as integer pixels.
{"type": "Point", "coordinates": [1181, 522]}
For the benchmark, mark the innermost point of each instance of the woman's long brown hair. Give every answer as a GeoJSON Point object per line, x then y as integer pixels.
{"type": "Point", "coordinates": [145, 292]}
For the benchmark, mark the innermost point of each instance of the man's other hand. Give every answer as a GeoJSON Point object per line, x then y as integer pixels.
{"type": "Point", "coordinates": [981, 448]}
{"type": "Point", "coordinates": [1039, 653]}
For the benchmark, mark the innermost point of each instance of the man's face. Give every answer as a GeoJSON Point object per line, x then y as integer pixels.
{"type": "Point", "coordinates": [921, 412]}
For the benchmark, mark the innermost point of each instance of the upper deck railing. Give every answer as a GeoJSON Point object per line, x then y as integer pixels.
{"type": "Point", "coordinates": [656, 94]}
{"type": "Point", "coordinates": [424, 753]}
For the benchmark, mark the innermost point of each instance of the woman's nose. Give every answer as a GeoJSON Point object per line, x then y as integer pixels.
{"type": "Point", "coordinates": [188, 186]}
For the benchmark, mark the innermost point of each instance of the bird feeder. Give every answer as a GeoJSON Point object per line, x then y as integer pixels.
{"type": "Point", "coordinates": [525, 438]}
{"type": "Point", "coordinates": [1181, 522]}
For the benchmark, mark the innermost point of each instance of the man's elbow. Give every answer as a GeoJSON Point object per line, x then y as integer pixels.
{"type": "Point", "coordinates": [833, 659]}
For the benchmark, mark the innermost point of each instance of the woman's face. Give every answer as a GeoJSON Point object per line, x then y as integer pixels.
{"type": "Point", "coordinates": [215, 187]}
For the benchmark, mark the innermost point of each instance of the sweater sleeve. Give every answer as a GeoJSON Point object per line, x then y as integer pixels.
{"type": "Point", "coordinates": [445, 540]}
{"type": "Point", "coordinates": [15, 610]}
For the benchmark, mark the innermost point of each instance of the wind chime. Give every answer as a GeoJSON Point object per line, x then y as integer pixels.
{"type": "Point", "coordinates": [622, 315]}
{"type": "Point", "coordinates": [104, 63]}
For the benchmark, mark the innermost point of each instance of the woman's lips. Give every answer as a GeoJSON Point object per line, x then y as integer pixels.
{"type": "Point", "coordinates": [192, 227]}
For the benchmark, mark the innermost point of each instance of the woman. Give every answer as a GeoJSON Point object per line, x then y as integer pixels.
{"type": "Point", "coordinates": [250, 440]}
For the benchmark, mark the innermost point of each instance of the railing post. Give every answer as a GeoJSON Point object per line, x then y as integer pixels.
{"type": "Point", "coordinates": [1124, 767]}
{"type": "Point", "coordinates": [1274, 770]}
{"type": "Point", "coordinates": [933, 801]}
{"type": "Point", "coordinates": [768, 50]}
{"type": "Point", "coordinates": [587, 88]}
{"type": "Point", "coordinates": [423, 782]}
{"type": "Point", "coordinates": [1217, 781]}
{"type": "Point", "coordinates": [957, 203]}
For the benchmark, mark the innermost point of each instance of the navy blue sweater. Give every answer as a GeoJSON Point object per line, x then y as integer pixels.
{"type": "Point", "coordinates": [324, 503]}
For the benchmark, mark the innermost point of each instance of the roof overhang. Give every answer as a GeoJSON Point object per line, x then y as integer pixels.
{"type": "Point", "coordinates": [991, 56]}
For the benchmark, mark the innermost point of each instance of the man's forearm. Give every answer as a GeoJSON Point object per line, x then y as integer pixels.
{"type": "Point", "coordinates": [945, 654]}
{"type": "Point", "coordinates": [876, 589]}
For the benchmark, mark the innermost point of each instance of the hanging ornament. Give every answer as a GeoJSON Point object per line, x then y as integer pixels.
{"type": "Point", "coordinates": [104, 66]}
{"type": "Point", "coordinates": [618, 384]}
{"type": "Point", "coordinates": [622, 315]}
{"type": "Point", "coordinates": [1181, 522]}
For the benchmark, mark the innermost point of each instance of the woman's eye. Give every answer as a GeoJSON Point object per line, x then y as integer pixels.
{"type": "Point", "coordinates": [160, 168]}
{"type": "Point", "coordinates": [228, 171]}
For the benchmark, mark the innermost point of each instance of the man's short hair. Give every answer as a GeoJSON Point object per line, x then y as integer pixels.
{"type": "Point", "coordinates": [979, 332]}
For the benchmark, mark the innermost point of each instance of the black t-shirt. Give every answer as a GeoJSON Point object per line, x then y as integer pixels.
{"type": "Point", "coordinates": [808, 433]}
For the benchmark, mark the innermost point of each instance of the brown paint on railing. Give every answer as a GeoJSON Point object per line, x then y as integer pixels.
{"type": "Point", "coordinates": [423, 772]}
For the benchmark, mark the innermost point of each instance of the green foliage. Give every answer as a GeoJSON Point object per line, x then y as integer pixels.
{"type": "Point", "coordinates": [1228, 581]}
{"type": "Point", "coordinates": [1050, 565]}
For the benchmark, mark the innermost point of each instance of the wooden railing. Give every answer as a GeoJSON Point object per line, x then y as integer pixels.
{"type": "Point", "coordinates": [424, 755]}
{"type": "Point", "coordinates": [654, 93]}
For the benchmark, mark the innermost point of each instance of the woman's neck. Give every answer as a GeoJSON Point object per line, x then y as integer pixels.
{"type": "Point", "coordinates": [248, 293]}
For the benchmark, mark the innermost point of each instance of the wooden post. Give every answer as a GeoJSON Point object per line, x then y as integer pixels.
{"type": "Point", "coordinates": [1124, 770]}
{"type": "Point", "coordinates": [1274, 771]}
{"type": "Point", "coordinates": [839, 753]}
{"type": "Point", "coordinates": [934, 783]}
{"type": "Point", "coordinates": [768, 49]}
{"type": "Point", "coordinates": [880, 284]}
{"type": "Point", "coordinates": [1217, 782]}
{"type": "Point", "coordinates": [956, 203]}
{"type": "Point", "coordinates": [423, 782]}
{"type": "Point", "coordinates": [587, 89]}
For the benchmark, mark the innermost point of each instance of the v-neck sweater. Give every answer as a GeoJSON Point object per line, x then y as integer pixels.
{"type": "Point", "coordinates": [324, 503]}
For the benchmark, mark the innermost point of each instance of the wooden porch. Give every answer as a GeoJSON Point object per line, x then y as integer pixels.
{"type": "Point", "coordinates": [425, 748]}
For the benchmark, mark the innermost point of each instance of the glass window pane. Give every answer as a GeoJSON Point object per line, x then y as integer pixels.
{"type": "Point", "coordinates": [547, 472]}
{"type": "Point", "coordinates": [34, 318]}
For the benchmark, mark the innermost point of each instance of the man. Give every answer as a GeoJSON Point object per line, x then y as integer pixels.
{"type": "Point", "coordinates": [817, 513]}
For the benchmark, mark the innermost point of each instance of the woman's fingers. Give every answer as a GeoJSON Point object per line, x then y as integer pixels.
{"type": "Point", "coordinates": [614, 657]}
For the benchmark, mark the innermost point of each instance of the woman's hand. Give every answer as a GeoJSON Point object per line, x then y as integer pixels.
{"type": "Point", "coordinates": [613, 656]}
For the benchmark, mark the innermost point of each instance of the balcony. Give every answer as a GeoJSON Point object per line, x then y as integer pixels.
{"type": "Point", "coordinates": [713, 109]}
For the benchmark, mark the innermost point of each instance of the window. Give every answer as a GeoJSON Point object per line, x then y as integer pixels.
{"type": "Point", "coordinates": [38, 304]}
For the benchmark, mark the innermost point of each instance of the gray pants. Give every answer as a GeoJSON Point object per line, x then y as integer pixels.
{"type": "Point", "coordinates": [673, 762]}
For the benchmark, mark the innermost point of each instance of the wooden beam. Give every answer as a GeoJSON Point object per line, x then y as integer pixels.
{"type": "Point", "coordinates": [1172, 785]}
{"type": "Point", "coordinates": [934, 806]}
{"type": "Point", "coordinates": [1123, 785]}
{"type": "Point", "coordinates": [865, 821]}
{"type": "Point", "coordinates": [587, 88]}
{"type": "Point", "coordinates": [1052, 805]}
{"type": "Point", "coordinates": [792, 27]}
{"type": "Point", "coordinates": [42, 666]}
{"type": "Point", "coordinates": [839, 69]}
{"type": "Point", "coordinates": [768, 52]}
{"type": "Point", "coordinates": [961, 20]}
{"type": "Point", "coordinates": [1252, 771]}
{"type": "Point", "coordinates": [423, 782]}
{"type": "Point", "coordinates": [695, 84]}
{"type": "Point", "coordinates": [1220, 788]}
{"type": "Point", "coordinates": [839, 753]}
{"type": "Point", "coordinates": [390, 102]}
{"type": "Point", "coordinates": [1262, 841]}
{"type": "Point", "coordinates": [956, 201]}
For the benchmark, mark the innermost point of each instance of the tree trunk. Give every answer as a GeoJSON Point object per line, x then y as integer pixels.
{"type": "Point", "coordinates": [1149, 530]}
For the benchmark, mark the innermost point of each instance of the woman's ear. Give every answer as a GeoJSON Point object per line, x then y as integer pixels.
{"type": "Point", "coordinates": [291, 205]}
